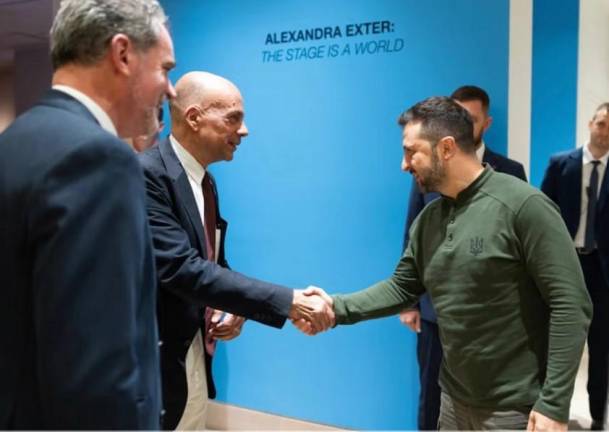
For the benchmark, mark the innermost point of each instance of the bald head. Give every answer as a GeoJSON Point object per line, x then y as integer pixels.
{"type": "Point", "coordinates": [200, 88]}
{"type": "Point", "coordinates": [207, 116]}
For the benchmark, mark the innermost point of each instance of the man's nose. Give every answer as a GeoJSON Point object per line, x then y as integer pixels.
{"type": "Point", "coordinates": [243, 131]}
{"type": "Point", "coordinates": [405, 164]}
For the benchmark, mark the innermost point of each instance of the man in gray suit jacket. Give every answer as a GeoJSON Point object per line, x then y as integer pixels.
{"type": "Point", "coordinates": [78, 300]}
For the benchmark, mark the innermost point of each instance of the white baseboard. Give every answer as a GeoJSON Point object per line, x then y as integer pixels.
{"type": "Point", "coordinates": [222, 416]}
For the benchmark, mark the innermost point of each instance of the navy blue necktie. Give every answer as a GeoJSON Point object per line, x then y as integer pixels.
{"type": "Point", "coordinates": [590, 238]}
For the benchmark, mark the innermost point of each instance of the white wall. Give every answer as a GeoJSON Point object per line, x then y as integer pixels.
{"type": "Point", "coordinates": [519, 96]}
{"type": "Point", "coordinates": [593, 62]}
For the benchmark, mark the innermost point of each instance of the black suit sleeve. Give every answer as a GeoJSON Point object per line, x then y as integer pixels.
{"type": "Point", "coordinates": [415, 205]}
{"type": "Point", "coordinates": [505, 165]}
{"type": "Point", "coordinates": [520, 173]}
{"type": "Point", "coordinates": [549, 184]}
{"type": "Point", "coordinates": [184, 272]}
{"type": "Point", "coordinates": [88, 238]}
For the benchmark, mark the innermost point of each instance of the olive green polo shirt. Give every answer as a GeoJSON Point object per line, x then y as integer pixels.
{"type": "Point", "coordinates": [507, 286]}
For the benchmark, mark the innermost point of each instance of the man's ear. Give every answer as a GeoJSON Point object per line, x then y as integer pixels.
{"type": "Point", "coordinates": [192, 115]}
{"type": "Point", "coordinates": [487, 124]}
{"type": "Point", "coordinates": [447, 147]}
{"type": "Point", "coordinates": [121, 53]}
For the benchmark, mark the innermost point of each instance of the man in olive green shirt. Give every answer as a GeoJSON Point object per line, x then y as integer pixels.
{"type": "Point", "coordinates": [498, 263]}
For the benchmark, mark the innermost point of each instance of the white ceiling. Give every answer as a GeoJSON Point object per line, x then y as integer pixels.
{"type": "Point", "coordinates": [23, 24]}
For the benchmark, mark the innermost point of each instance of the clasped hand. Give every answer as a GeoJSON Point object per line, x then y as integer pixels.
{"type": "Point", "coordinates": [312, 310]}
{"type": "Point", "coordinates": [225, 326]}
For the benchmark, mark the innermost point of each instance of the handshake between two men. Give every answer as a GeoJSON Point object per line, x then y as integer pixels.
{"type": "Point", "coordinates": [312, 310]}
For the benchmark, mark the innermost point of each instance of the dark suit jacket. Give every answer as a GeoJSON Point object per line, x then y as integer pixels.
{"type": "Point", "coordinates": [418, 201]}
{"type": "Point", "coordinates": [188, 281]}
{"type": "Point", "coordinates": [562, 183]}
{"type": "Point", "coordinates": [78, 308]}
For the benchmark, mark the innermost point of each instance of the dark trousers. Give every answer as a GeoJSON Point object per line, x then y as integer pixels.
{"type": "Point", "coordinates": [429, 354]}
{"type": "Point", "coordinates": [598, 335]}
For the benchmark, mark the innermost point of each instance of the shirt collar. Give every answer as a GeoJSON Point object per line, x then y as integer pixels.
{"type": "Point", "coordinates": [473, 187]}
{"type": "Point", "coordinates": [100, 115]}
{"type": "Point", "coordinates": [480, 151]}
{"type": "Point", "coordinates": [193, 168]}
{"type": "Point", "coordinates": [589, 158]}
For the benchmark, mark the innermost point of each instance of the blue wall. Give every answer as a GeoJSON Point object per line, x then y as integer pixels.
{"type": "Point", "coordinates": [315, 194]}
{"type": "Point", "coordinates": [554, 86]}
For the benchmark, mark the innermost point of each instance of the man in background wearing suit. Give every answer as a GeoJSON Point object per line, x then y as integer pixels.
{"type": "Point", "coordinates": [207, 125]}
{"type": "Point", "coordinates": [78, 299]}
{"type": "Point", "coordinates": [423, 320]}
{"type": "Point", "coordinates": [577, 182]}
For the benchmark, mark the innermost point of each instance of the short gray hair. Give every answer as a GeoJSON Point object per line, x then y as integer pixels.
{"type": "Point", "coordinates": [82, 29]}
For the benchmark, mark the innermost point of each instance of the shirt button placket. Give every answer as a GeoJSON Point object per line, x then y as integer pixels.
{"type": "Point", "coordinates": [450, 228]}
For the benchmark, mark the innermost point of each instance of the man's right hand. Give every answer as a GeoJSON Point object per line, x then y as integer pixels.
{"type": "Point", "coordinates": [412, 319]}
{"type": "Point", "coordinates": [312, 310]}
{"type": "Point", "coordinates": [541, 423]}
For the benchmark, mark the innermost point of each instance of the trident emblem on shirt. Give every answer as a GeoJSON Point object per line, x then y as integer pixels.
{"type": "Point", "coordinates": [476, 246]}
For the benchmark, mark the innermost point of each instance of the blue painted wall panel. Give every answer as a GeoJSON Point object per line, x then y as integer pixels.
{"type": "Point", "coordinates": [554, 81]}
{"type": "Point", "coordinates": [315, 194]}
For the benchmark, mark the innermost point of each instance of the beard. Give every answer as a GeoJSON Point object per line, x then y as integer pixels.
{"type": "Point", "coordinates": [144, 110]}
{"type": "Point", "coordinates": [150, 122]}
{"type": "Point", "coordinates": [600, 142]}
{"type": "Point", "coordinates": [431, 178]}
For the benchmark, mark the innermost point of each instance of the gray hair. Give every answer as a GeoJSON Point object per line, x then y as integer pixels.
{"type": "Point", "coordinates": [82, 29]}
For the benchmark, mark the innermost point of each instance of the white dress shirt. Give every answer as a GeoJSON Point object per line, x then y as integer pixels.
{"type": "Point", "coordinates": [100, 115]}
{"type": "Point", "coordinates": [480, 151]}
{"type": "Point", "coordinates": [586, 171]}
{"type": "Point", "coordinates": [195, 412]}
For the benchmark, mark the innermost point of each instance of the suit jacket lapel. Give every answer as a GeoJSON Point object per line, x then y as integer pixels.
{"type": "Point", "coordinates": [602, 198]}
{"type": "Point", "coordinates": [183, 190]}
{"type": "Point", "coordinates": [489, 158]}
{"type": "Point", "coordinates": [572, 183]}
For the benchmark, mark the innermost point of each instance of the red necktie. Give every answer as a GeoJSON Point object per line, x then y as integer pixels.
{"type": "Point", "coordinates": [209, 205]}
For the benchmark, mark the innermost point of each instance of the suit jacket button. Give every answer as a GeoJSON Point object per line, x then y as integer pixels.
{"type": "Point", "coordinates": [160, 343]}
